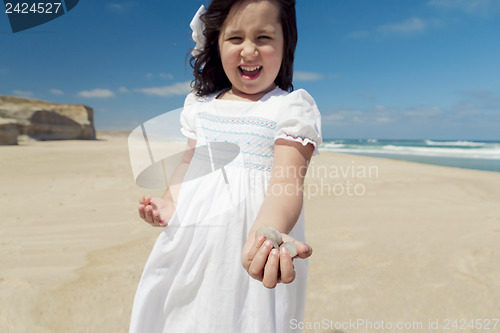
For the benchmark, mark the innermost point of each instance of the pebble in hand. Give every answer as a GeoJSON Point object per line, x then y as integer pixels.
{"type": "Point", "coordinates": [275, 236]}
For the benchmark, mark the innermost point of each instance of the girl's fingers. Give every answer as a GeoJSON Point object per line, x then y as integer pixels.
{"type": "Point", "coordinates": [149, 214]}
{"type": "Point", "coordinates": [149, 211]}
{"type": "Point", "coordinates": [259, 261]}
{"type": "Point", "coordinates": [142, 214]}
{"type": "Point", "coordinates": [156, 219]}
{"type": "Point", "coordinates": [145, 200]}
{"type": "Point", "coordinates": [271, 270]}
{"type": "Point", "coordinates": [286, 266]}
{"type": "Point", "coordinates": [304, 251]}
{"type": "Point", "coordinates": [255, 247]}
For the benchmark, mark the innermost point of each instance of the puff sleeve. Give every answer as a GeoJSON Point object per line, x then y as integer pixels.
{"type": "Point", "coordinates": [187, 117]}
{"type": "Point", "coordinates": [299, 120]}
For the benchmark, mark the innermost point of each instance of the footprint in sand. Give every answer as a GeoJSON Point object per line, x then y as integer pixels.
{"type": "Point", "coordinates": [478, 266]}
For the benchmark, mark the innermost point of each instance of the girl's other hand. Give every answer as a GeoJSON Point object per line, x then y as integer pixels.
{"type": "Point", "coordinates": [269, 265]}
{"type": "Point", "coordinates": [156, 211]}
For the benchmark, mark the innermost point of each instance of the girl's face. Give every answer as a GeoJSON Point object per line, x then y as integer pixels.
{"type": "Point", "coordinates": [251, 47]}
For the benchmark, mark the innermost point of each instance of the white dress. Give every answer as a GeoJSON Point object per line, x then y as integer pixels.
{"type": "Point", "coordinates": [193, 280]}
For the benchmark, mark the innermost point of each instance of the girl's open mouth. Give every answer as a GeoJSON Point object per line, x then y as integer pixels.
{"type": "Point", "coordinates": [250, 72]}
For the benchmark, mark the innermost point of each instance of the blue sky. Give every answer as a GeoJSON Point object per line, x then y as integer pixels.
{"type": "Point", "coordinates": [377, 69]}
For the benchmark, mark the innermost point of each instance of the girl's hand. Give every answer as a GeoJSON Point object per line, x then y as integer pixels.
{"type": "Point", "coordinates": [269, 265]}
{"type": "Point", "coordinates": [156, 211]}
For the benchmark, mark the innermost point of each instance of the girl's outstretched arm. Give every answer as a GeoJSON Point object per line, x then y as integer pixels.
{"type": "Point", "coordinates": [158, 211]}
{"type": "Point", "coordinates": [281, 209]}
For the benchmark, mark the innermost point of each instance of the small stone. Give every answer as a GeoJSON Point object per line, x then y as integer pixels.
{"type": "Point", "coordinates": [292, 248]}
{"type": "Point", "coordinates": [271, 234]}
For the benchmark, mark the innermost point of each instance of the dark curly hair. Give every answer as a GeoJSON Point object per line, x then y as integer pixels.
{"type": "Point", "coordinates": [209, 75]}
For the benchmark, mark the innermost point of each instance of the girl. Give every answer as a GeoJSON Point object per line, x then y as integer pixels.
{"type": "Point", "coordinates": [207, 271]}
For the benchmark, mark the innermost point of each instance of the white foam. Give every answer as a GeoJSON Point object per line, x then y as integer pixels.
{"type": "Point", "coordinates": [458, 143]}
{"type": "Point", "coordinates": [332, 145]}
{"type": "Point", "coordinates": [490, 153]}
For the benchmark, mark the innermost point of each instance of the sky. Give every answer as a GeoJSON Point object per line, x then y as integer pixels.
{"type": "Point", "coordinates": [384, 69]}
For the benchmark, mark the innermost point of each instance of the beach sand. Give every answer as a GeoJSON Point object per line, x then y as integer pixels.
{"type": "Point", "coordinates": [394, 242]}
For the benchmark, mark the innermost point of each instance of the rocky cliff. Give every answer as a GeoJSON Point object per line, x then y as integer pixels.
{"type": "Point", "coordinates": [43, 120]}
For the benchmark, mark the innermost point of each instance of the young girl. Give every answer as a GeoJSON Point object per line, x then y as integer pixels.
{"type": "Point", "coordinates": [207, 271]}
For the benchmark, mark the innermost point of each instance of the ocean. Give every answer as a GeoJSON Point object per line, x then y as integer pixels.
{"type": "Point", "coordinates": [478, 155]}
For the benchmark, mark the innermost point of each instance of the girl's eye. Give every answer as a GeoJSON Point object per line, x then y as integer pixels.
{"type": "Point", "coordinates": [264, 37]}
{"type": "Point", "coordinates": [234, 39]}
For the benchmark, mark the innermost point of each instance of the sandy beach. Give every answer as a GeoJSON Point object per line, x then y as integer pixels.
{"type": "Point", "coordinates": [395, 243]}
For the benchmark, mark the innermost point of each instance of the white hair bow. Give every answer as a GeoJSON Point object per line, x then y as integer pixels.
{"type": "Point", "coordinates": [198, 26]}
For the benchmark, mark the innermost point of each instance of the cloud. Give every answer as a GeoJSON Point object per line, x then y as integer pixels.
{"type": "Point", "coordinates": [380, 114]}
{"type": "Point", "coordinates": [482, 95]}
{"type": "Point", "coordinates": [22, 93]}
{"type": "Point", "coordinates": [342, 116]}
{"type": "Point", "coordinates": [166, 76]}
{"type": "Point", "coordinates": [468, 6]}
{"type": "Point", "coordinates": [410, 26]}
{"type": "Point", "coordinates": [459, 121]}
{"type": "Point", "coordinates": [162, 75]}
{"type": "Point", "coordinates": [483, 100]}
{"type": "Point", "coordinates": [56, 92]}
{"type": "Point", "coordinates": [383, 120]}
{"type": "Point", "coordinates": [359, 34]}
{"type": "Point", "coordinates": [422, 111]}
{"type": "Point", "coordinates": [180, 88]}
{"type": "Point", "coordinates": [121, 7]}
{"type": "Point", "coordinates": [116, 7]}
{"type": "Point", "coordinates": [97, 93]}
{"type": "Point", "coordinates": [368, 97]}
{"type": "Point", "coordinates": [123, 90]}
{"type": "Point", "coordinates": [307, 76]}
{"type": "Point", "coordinates": [419, 118]}
{"type": "Point", "coordinates": [333, 118]}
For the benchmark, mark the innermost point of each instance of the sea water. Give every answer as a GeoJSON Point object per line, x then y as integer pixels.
{"type": "Point", "coordinates": [479, 155]}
